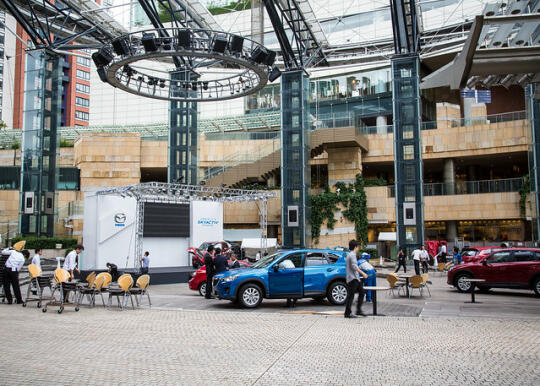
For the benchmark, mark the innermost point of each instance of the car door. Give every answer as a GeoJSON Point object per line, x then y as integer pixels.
{"type": "Point", "coordinates": [315, 268]}
{"type": "Point", "coordinates": [497, 268]}
{"type": "Point", "coordinates": [286, 276]}
{"type": "Point", "coordinates": [520, 271]}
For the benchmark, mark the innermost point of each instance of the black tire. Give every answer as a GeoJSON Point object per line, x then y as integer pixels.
{"type": "Point", "coordinates": [250, 296]}
{"type": "Point", "coordinates": [536, 286]}
{"type": "Point", "coordinates": [463, 286]}
{"type": "Point", "coordinates": [44, 310]}
{"type": "Point", "coordinates": [60, 309]}
{"type": "Point", "coordinates": [76, 309]}
{"type": "Point", "coordinates": [38, 304]}
{"type": "Point", "coordinates": [337, 293]}
{"type": "Point", "coordinates": [202, 289]}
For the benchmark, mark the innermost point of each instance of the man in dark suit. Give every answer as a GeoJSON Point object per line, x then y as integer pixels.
{"type": "Point", "coordinates": [209, 264]}
{"type": "Point", "coordinates": [220, 262]}
{"type": "Point", "coordinates": [234, 262]}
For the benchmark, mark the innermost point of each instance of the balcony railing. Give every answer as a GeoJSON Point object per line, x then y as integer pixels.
{"type": "Point", "coordinates": [468, 187]}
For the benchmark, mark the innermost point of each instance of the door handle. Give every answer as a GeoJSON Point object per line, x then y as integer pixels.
{"type": "Point", "coordinates": [329, 269]}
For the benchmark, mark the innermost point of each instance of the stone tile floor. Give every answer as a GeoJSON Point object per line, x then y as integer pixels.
{"type": "Point", "coordinates": [176, 343]}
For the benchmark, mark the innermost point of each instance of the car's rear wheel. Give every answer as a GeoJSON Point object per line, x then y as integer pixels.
{"type": "Point", "coordinates": [250, 296]}
{"type": "Point", "coordinates": [461, 284]}
{"type": "Point", "coordinates": [536, 286]}
{"type": "Point", "coordinates": [202, 288]}
{"type": "Point", "coordinates": [337, 293]}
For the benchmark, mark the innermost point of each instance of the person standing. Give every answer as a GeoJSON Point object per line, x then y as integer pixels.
{"type": "Point", "coordinates": [72, 261]}
{"type": "Point", "coordinates": [145, 263]}
{"type": "Point", "coordinates": [220, 262]}
{"type": "Point", "coordinates": [417, 253]}
{"type": "Point", "coordinates": [424, 258]}
{"type": "Point", "coordinates": [442, 253]}
{"type": "Point", "coordinates": [354, 284]}
{"type": "Point", "coordinates": [457, 256]}
{"type": "Point", "coordinates": [371, 280]}
{"type": "Point", "coordinates": [234, 262]}
{"type": "Point", "coordinates": [12, 268]}
{"type": "Point", "coordinates": [209, 264]}
{"type": "Point", "coordinates": [402, 260]}
{"type": "Point", "coordinates": [37, 257]}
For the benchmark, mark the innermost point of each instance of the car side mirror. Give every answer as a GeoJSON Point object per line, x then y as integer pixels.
{"type": "Point", "coordinates": [276, 267]}
{"type": "Point", "coordinates": [484, 262]}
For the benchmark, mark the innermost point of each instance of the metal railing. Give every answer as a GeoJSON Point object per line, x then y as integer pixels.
{"type": "Point", "coordinates": [468, 187]}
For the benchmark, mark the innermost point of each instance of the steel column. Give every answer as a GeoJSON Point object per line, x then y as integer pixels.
{"type": "Point", "coordinates": [533, 109]}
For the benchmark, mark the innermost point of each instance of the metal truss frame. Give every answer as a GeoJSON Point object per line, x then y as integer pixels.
{"type": "Point", "coordinates": [169, 193]}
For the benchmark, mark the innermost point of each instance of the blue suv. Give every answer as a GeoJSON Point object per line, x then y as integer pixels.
{"type": "Point", "coordinates": [298, 273]}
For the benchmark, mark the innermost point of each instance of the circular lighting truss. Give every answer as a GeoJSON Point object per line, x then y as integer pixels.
{"type": "Point", "coordinates": [201, 65]}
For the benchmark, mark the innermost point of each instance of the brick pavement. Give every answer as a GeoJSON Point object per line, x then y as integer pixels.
{"type": "Point", "coordinates": [150, 346]}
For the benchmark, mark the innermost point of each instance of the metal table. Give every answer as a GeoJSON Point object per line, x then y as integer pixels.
{"type": "Point", "coordinates": [473, 286]}
{"type": "Point", "coordinates": [375, 289]}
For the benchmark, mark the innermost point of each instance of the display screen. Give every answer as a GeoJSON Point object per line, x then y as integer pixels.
{"type": "Point", "coordinates": [166, 220]}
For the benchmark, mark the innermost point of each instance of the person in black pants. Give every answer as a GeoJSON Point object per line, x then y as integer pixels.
{"type": "Point", "coordinates": [402, 260]}
{"type": "Point", "coordinates": [209, 264]}
{"type": "Point", "coordinates": [12, 268]}
{"type": "Point", "coordinates": [354, 283]}
{"type": "Point", "coordinates": [220, 262]}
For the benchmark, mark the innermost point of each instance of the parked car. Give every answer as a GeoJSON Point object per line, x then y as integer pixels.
{"type": "Point", "coordinates": [197, 254]}
{"type": "Point", "coordinates": [473, 254]}
{"type": "Point", "coordinates": [298, 273]}
{"type": "Point", "coordinates": [198, 278]}
{"type": "Point", "coordinates": [506, 268]}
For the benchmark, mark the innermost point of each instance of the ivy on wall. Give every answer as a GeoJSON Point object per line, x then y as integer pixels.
{"type": "Point", "coordinates": [354, 201]}
{"type": "Point", "coordinates": [523, 194]}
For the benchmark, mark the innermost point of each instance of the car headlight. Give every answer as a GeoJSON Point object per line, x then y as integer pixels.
{"type": "Point", "coordinates": [229, 278]}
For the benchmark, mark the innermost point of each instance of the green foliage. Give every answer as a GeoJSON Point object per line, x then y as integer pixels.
{"type": "Point", "coordinates": [372, 252]}
{"type": "Point", "coordinates": [217, 8]}
{"type": "Point", "coordinates": [45, 242]}
{"type": "Point", "coordinates": [66, 143]}
{"type": "Point", "coordinates": [3, 124]}
{"type": "Point", "coordinates": [15, 146]}
{"type": "Point", "coordinates": [354, 201]}
{"type": "Point", "coordinates": [523, 194]}
{"type": "Point", "coordinates": [375, 182]}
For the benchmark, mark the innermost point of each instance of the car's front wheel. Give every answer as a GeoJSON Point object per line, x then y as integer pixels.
{"type": "Point", "coordinates": [202, 288]}
{"type": "Point", "coordinates": [250, 296]}
{"type": "Point", "coordinates": [536, 286]}
{"type": "Point", "coordinates": [337, 293]}
{"type": "Point", "coordinates": [461, 283]}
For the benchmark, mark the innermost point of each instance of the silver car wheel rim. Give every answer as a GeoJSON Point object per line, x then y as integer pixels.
{"type": "Point", "coordinates": [251, 296]}
{"type": "Point", "coordinates": [339, 293]}
{"type": "Point", "coordinates": [538, 286]}
{"type": "Point", "coordinates": [464, 285]}
{"type": "Point", "coordinates": [203, 288]}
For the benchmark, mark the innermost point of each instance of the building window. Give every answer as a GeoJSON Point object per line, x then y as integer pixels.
{"type": "Point", "coordinates": [83, 61]}
{"type": "Point", "coordinates": [68, 178]}
{"type": "Point", "coordinates": [85, 89]}
{"type": "Point", "coordinates": [81, 115]}
{"type": "Point", "coordinates": [82, 102]}
{"type": "Point", "coordinates": [83, 74]}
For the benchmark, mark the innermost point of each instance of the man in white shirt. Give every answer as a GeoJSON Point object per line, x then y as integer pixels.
{"type": "Point", "coordinates": [37, 257]}
{"type": "Point", "coordinates": [72, 260]}
{"type": "Point", "coordinates": [417, 253]}
{"type": "Point", "coordinates": [425, 260]}
{"type": "Point", "coordinates": [12, 268]}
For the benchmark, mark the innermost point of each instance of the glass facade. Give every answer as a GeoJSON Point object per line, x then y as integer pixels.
{"type": "Point", "coordinates": [41, 118]}
{"type": "Point", "coordinates": [533, 110]}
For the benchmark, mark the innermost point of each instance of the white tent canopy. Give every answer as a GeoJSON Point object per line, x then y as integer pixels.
{"type": "Point", "coordinates": [256, 243]}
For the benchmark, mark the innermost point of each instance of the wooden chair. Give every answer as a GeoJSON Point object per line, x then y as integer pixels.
{"type": "Point", "coordinates": [426, 282]}
{"type": "Point", "coordinates": [141, 288]}
{"type": "Point", "coordinates": [393, 279]}
{"type": "Point", "coordinates": [92, 291]}
{"type": "Point", "coordinates": [107, 279]}
{"type": "Point", "coordinates": [37, 284]}
{"type": "Point", "coordinates": [125, 282]}
{"type": "Point", "coordinates": [416, 282]}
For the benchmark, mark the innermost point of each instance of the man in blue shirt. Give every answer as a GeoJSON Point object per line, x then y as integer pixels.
{"type": "Point", "coordinates": [145, 262]}
{"type": "Point", "coordinates": [371, 280]}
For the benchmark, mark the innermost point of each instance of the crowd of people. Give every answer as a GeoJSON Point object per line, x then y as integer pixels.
{"type": "Point", "coordinates": [422, 260]}
{"type": "Point", "coordinates": [216, 262]}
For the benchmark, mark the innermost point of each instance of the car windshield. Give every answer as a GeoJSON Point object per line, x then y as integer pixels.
{"type": "Point", "coordinates": [469, 252]}
{"type": "Point", "coordinates": [267, 260]}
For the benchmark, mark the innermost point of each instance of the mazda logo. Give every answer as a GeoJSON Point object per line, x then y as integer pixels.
{"type": "Point", "coordinates": [120, 218]}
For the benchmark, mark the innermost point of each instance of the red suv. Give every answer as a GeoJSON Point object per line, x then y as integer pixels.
{"type": "Point", "coordinates": [506, 268]}
{"type": "Point", "coordinates": [198, 278]}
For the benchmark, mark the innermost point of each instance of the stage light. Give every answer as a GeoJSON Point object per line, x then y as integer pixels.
{"type": "Point", "coordinates": [167, 44]}
{"type": "Point", "coordinates": [220, 44]}
{"type": "Point", "coordinates": [236, 45]}
{"type": "Point", "coordinates": [149, 42]}
{"type": "Point", "coordinates": [271, 58]}
{"type": "Point", "coordinates": [205, 85]}
{"type": "Point", "coordinates": [259, 55]}
{"type": "Point", "coordinates": [121, 47]}
{"type": "Point", "coordinates": [102, 57]}
{"type": "Point", "coordinates": [183, 38]}
{"type": "Point", "coordinates": [162, 83]}
{"type": "Point", "coordinates": [102, 74]}
{"type": "Point", "coordinates": [128, 70]}
{"type": "Point", "coordinates": [274, 74]}
{"type": "Point", "coordinates": [194, 86]}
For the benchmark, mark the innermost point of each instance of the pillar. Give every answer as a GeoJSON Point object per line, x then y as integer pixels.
{"type": "Point", "coordinates": [449, 176]}
{"type": "Point", "coordinates": [451, 231]}
{"type": "Point", "coordinates": [183, 135]}
{"type": "Point", "coordinates": [408, 168]}
{"type": "Point", "coordinates": [532, 93]}
{"type": "Point", "coordinates": [295, 154]}
{"type": "Point", "coordinates": [382, 124]}
{"type": "Point", "coordinates": [40, 142]}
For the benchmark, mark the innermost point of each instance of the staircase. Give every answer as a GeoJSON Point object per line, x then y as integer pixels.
{"type": "Point", "coordinates": [268, 165]}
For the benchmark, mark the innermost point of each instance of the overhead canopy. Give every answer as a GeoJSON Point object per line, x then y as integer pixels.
{"type": "Point", "coordinates": [387, 236]}
{"type": "Point", "coordinates": [256, 243]}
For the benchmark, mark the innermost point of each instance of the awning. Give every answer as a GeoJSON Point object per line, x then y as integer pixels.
{"type": "Point", "coordinates": [256, 243]}
{"type": "Point", "coordinates": [387, 236]}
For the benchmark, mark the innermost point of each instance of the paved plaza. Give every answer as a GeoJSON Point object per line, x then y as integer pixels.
{"type": "Point", "coordinates": [177, 344]}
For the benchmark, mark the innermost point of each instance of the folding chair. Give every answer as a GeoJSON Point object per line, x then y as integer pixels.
{"type": "Point", "coordinates": [125, 282]}
{"type": "Point", "coordinates": [141, 288]}
{"type": "Point", "coordinates": [92, 291]}
{"type": "Point", "coordinates": [61, 277]}
{"type": "Point", "coordinates": [37, 284]}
